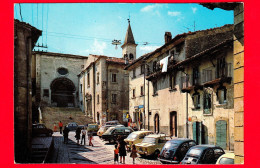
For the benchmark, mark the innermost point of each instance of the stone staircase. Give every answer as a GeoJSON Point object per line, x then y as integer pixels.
{"type": "Point", "coordinates": [52, 115]}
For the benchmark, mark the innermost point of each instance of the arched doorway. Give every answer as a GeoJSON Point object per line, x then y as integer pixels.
{"type": "Point", "coordinates": [156, 123]}
{"type": "Point", "coordinates": [62, 90]}
{"type": "Point", "coordinates": [173, 124]}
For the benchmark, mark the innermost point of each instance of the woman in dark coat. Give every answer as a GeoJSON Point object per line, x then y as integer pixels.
{"type": "Point", "coordinates": [77, 136]}
{"type": "Point", "coordinates": [122, 149]}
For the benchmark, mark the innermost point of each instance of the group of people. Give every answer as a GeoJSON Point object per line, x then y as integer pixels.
{"type": "Point", "coordinates": [120, 150]}
{"type": "Point", "coordinates": [83, 133]}
{"type": "Point", "coordinates": [79, 132]}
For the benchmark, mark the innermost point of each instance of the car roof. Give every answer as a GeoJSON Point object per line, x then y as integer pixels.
{"type": "Point", "coordinates": [140, 132]}
{"type": "Point", "coordinates": [72, 123]}
{"type": "Point", "coordinates": [156, 135]}
{"type": "Point", "coordinates": [205, 146]}
{"type": "Point", "coordinates": [228, 155]}
{"type": "Point", "coordinates": [180, 140]}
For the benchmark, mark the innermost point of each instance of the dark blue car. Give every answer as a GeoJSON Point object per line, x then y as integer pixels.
{"type": "Point", "coordinates": [203, 154]}
{"type": "Point", "coordinates": [174, 150]}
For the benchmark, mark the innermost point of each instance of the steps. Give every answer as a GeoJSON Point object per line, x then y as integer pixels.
{"type": "Point", "coordinates": [52, 115]}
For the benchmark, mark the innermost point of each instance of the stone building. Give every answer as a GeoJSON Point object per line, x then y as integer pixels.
{"type": "Point", "coordinates": [166, 106]}
{"type": "Point", "coordinates": [104, 89]}
{"type": "Point", "coordinates": [238, 62]}
{"type": "Point", "coordinates": [25, 37]}
{"type": "Point", "coordinates": [56, 79]}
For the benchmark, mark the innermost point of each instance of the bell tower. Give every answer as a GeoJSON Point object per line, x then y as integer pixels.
{"type": "Point", "coordinates": [129, 46]}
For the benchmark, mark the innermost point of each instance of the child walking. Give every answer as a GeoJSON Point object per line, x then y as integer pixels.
{"type": "Point", "coordinates": [133, 153]}
{"type": "Point", "coordinates": [116, 151]}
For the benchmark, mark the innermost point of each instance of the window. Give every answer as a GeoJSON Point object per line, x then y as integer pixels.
{"type": "Point", "coordinates": [113, 77]}
{"type": "Point", "coordinates": [113, 98]}
{"type": "Point", "coordinates": [209, 156]}
{"type": "Point", "coordinates": [62, 71]}
{"type": "Point", "coordinates": [88, 79]}
{"type": "Point", "coordinates": [222, 95]}
{"type": "Point", "coordinates": [221, 64]}
{"type": "Point", "coordinates": [134, 73]}
{"type": "Point", "coordinates": [133, 93]}
{"type": "Point", "coordinates": [97, 78]}
{"type": "Point", "coordinates": [81, 102]}
{"type": "Point", "coordinates": [131, 56]}
{"type": "Point", "coordinates": [154, 66]}
{"type": "Point", "coordinates": [207, 102]}
{"type": "Point", "coordinates": [142, 90]}
{"type": "Point", "coordinates": [80, 88]}
{"type": "Point", "coordinates": [196, 100]}
{"type": "Point", "coordinates": [125, 56]}
{"type": "Point", "coordinates": [154, 88]}
{"type": "Point", "coordinates": [98, 99]}
{"type": "Point", "coordinates": [142, 69]}
{"type": "Point", "coordinates": [172, 81]}
{"type": "Point", "coordinates": [195, 75]}
{"type": "Point", "coordinates": [45, 92]}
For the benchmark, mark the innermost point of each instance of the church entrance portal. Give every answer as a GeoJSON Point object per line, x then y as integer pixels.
{"type": "Point", "coordinates": [62, 90]}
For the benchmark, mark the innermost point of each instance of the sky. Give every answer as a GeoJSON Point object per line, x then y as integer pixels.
{"type": "Point", "coordinates": [89, 28]}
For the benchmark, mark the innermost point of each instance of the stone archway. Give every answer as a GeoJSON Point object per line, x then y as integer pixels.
{"type": "Point", "coordinates": [156, 123]}
{"type": "Point", "coordinates": [63, 92]}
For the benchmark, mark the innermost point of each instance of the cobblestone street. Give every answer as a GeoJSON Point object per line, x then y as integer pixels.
{"type": "Point", "coordinates": [101, 153]}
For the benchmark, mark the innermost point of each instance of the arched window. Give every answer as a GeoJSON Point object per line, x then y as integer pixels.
{"type": "Point", "coordinates": [131, 56]}
{"type": "Point", "coordinates": [125, 56]}
{"type": "Point", "coordinates": [207, 102]}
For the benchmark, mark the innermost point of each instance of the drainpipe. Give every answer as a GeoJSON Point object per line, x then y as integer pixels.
{"type": "Point", "coordinates": [94, 92]}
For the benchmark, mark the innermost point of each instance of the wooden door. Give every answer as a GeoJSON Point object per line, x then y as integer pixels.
{"type": "Point", "coordinates": [173, 124]}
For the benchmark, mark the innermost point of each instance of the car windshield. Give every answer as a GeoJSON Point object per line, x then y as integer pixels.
{"type": "Point", "coordinates": [132, 136]}
{"type": "Point", "coordinates": [195, 152]}
{"type": "Point", "coordinates": [171, 144]}
{"type": "Point", "coordinates": [226, 161]}
{"type": "Point", "coordinates": [92, 126]}
{"type": "Point", "coordinates": [109, 130]}
{"type": "Point", "coordinates": [149, 140]}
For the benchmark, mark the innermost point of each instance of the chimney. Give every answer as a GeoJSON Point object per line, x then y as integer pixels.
{"type": "Point", "coordinates": [167, 37]}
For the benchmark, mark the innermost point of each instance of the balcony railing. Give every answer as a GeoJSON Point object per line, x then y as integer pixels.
{"type": "Point", "coordinates": [185, 82]}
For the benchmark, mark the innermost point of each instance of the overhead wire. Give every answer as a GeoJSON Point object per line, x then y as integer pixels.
{"type": "Point", "coordinates": [21, 12]}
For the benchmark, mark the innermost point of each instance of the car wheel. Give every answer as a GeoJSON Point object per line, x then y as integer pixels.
{"type": "Point", "coordinates": [142, 155]}
{"type": "Point", "coordinates": [156, 153]}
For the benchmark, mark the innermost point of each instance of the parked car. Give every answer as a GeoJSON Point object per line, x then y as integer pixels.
{"type": "Point", "coordinates": [136, 137]}
{"type": "Point", "coordinates": [102, 130]}
{"type": "Point", "coordinates": [203, 154]}
{"type": "Point", "coordinates": [93, 128]}
{"type": "Point", "coordinates": [111, 135]}
{"type": "Point", "coordinates": [174, 150]}
{"type": "Point", "coordinates": [72, 126]}
{"type": "Point", "coordinates": [41, 129]}
{"type": "Point", "coordinates": [152, 145]}
{"type": "Point", "coordinates": [114, 122]}
{"type": "Point", "coordinates": [227, 158]}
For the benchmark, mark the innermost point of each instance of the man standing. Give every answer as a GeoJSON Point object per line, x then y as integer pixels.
{"type": "Point", "coordinates": [83, 132]}
{"type": "Point", "coordinates": [66, 134]}
{"type": "Point", "coordinates": [60, 125]}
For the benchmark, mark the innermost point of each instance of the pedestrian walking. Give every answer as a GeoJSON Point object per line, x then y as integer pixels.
{"type": "Point", "coordinates": [83, 136]}
{"type": "Point", "coordinates": [77, 136]}
{"type": "Point", "coordinates": [54, 128]}
{"type": "Point", "coordinates": [60, 125]}
{"type": "Point", "coordinates": [133, 153]}
{"type": "Point", "coordinates": [122, 149]}
{"type": "Point", "coordinates": [66, 135]}
{"type": "Point", "coordinates": [90, 137]}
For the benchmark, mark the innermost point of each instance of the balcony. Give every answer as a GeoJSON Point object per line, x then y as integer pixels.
{"type": "Point", "coordinates": [186, 85]}
{"type": "Point", "coordinates": [212, 76]}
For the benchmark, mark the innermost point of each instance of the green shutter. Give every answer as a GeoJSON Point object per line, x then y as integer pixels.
{"type": "Point", "coordinates": [194, 127]}
{"type": "Point", "coordinates": [221, 133]}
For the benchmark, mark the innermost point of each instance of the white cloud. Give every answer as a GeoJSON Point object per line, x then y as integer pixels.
{"type": "Point", "coordinates": [194, 9]}
{"type": "Point", "coordinates": [150, 8]}
{"type": "Point", "coordinates": [148, 48]}
{"type": "Point", "coordinates": [174, 13]}
{"type": "Point", "coordinates": [97, 48]}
